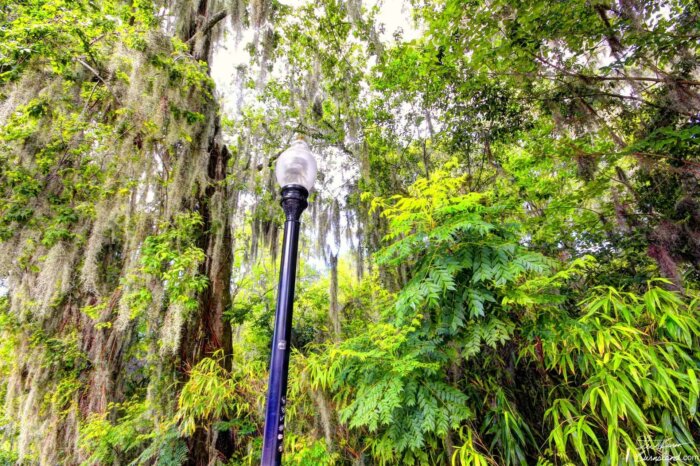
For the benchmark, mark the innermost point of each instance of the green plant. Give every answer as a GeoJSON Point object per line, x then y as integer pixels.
{"type": "Point", "coordinates": [210, 394]}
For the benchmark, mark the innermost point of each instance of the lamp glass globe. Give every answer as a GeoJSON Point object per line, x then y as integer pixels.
{"type": "Point", "coordinates": [296, 165]}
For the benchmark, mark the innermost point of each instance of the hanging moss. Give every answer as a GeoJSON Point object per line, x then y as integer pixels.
{"type": "Point", "coordinates": [119, 144]}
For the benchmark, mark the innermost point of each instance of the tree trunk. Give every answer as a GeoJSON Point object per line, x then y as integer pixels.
{"type": "Point", "coordinates": [210, 332]}
{"type": "Point", "coordinates": [334, 310]}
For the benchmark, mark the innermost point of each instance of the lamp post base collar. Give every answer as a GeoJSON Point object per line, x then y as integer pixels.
{"type": "Point", "coordinates": [294, 201]}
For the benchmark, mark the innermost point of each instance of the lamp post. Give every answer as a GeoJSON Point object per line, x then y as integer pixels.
{"type": "Point", "coordinates": [296, 173]}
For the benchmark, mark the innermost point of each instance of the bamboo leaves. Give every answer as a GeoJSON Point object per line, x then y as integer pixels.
{"type": "Point", "coordinates": [632, 383]}
{"type": "Point", "coordinates": [210, 394]}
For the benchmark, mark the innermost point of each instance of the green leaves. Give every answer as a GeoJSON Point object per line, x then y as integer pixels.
{"type": "Point", "coordinates": [104, 441]}
{"type": "Point", "coordinates": [462, 260]}
{"type": "Point", "coordinates": [209, 394]}
{"type": "Point", "coordinates": [393, 379]}
{"type": "Point", "coordinates": [390, 382]}
{"type": "Point", "coordinates": [632, 380]}
{"type": "Point", "coordinates": [173, 257]}
{"type": "Point", "coordinates": [511, 434]}
{"type": "Point", "coordinates": [468, 454]}
{"type": "Point", "coordinates": [471, 278]}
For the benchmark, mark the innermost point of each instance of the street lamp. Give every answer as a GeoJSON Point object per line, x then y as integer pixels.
{"type": "Point", "coordinates": [296, 173]}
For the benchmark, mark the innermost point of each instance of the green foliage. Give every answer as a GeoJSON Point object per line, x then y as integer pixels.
{"type": "Point", "coordinates": [126, 433]}
{"type": "Point", "coordinates": [468, 454]}
{"type": "Point", "coordinates": [166, 448]}
{"type": "Point", "coordinates": [391, 379]}
{"type": "Point", "coordinates": [456, 239]}
{"type": "Point", "coordinates": [173, 257]}
{"type": "Point", "coordinates": [9, 342]}
{"type": "Point", "coordinates": [108, 442]}
{"type": "Point", "coordinates": [634, 360]}
{"type": "Point", "coordinates": [302, 452]}
{"type": "Point", "coordinates": [516, 178]}
{"type": "Point", "coordinates": [209, 394]}
{"type": "Point", "coordinates": [613, 370]}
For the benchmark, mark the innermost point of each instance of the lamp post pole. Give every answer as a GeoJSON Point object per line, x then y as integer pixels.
{"type": "Point", "coordinates": [294, 167]}
{"type": "Point", "coordinates": [293, 202]}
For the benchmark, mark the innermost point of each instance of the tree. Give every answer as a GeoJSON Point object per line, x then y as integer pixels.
{"type": "Point", "coordinates": [114, 218]}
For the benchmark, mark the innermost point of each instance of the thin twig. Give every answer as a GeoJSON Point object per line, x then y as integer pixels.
{"type": "Point", "coordinates": [97, 75]}
{"type": "Point", "coordinates": [87, 102]}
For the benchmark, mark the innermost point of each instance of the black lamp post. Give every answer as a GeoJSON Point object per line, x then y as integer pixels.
{"type": "Point", "coordinates": [296, 173]}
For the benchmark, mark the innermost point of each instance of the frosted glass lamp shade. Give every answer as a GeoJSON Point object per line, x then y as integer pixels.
{"type": "Point", "coordinates": [296, 165]}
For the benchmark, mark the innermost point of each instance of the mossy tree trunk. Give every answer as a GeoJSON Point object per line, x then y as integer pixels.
{"type": "Point", "coordinates": [112, 144]}
{"type": "Point", "coordinates": [209, 331]}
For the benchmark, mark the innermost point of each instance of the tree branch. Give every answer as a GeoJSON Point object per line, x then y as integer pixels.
{"type": "Point", "coordinates": [586, 77]}
{"type": "Point", "coordinates": [636, 99]}
{"type": "Point", "coordinates": [97, 75]}
{"type": "Point", "coordinates": [209, 25]}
